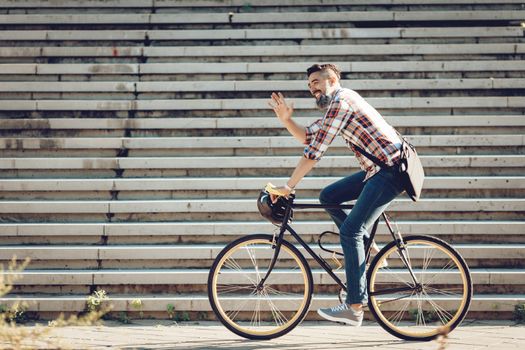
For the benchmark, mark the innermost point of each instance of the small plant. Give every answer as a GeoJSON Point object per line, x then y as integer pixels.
{"type": "Point", "coordinates": [94, 301]}
{"type": "Point", "coordinates": [202, 316]}
{"type": "Point", "coordinates": [137, 305]}
{"type": "Point", "coordinates": [427, 316]}
{"type": "Point", "coordinates": [182, 316]}
{"type": "Point", "coordinates": [170, 308]}
{"type": "Point", "coordinates": [16, 314]}
{"type": "Point", "coordinates": [7, 279]}
{"type": "Point", "coordinates": [519, 313]}
{"type": "Point", "coordinates": [19, 337]}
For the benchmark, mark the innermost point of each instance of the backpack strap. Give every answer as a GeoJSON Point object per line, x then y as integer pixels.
{"type": "Point", "coordinates": [373, 158]}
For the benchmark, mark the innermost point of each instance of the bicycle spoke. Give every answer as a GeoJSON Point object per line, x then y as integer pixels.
{"type": "Point", "coordinates": [388, 271]}
{"type": "Point", "coordinates": [442, 270]}
{"type": "Point", "coordinates": [445, 291]}
{"type": "Point", "coordinates": [278, 292]}
{"type": "Point", "coordinates": [426, 262]}
{"type": "Point", "coordinates": [232, 264]}
{"type": "Point", "coordinates": [420, 315]}
{"type": "Point", "coordinates": [382, 302]}
{"type": "Point", "coordinates": [253, 259]}
{"type": "Point", "coordinates": [256, 316]}
{"type": "Point", "coordinates": [279, 317]}
{"type": "Point", "coordinates": [398, 316]}
{"type": "Point", "coordinates": [226, 288]}
{"type": "Point", "coordinates": [439, 310]}
{"type": "Point", "coordinates": [441, 316]}
{"type": "Point", "coordinates": [232, 314]}
{"type": "Point", "coordinates": [288, 301]}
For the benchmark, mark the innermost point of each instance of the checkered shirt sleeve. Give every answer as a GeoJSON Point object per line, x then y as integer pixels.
{"type": "Point", "coordinates": [321, 133]}
{"type": "Point", "coordinates": [312, 129]}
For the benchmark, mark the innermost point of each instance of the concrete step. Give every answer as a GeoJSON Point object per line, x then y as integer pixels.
{"type": "Point", "coordinates": [83, 4]}
{"type": "Point", "coordinates": [382, 84]}
{"type": "Point", "coordinates": [227, 209]}
{"type": "Point", "coordinates": [392, 103]}
{"type": "Point", "coordinates": [257, 34]}
{"type": "Point", "coordinates": [332, 162]}
{"type": "Point", "coordinates": [306, 50]}
{"type": "Point", "coordinates": [230, 3]}
{"type": "Point", "coordinates": [494, 303]}
{"type": "Point", "coordinates": [200, 252]}
{"type": "Point", "coordinates": [110, 230]}
{"type": "Point", "coordinates": [225, 18]}
{"type": "Point", "coordinates": [259, 67]}
{"type": "Point", "coordinates": [515, 205]}
{"type": "Point", "coordinates": [486, 277]}
{"type": "Point", "coordinates": [449, 121]}
{"type": "Point", "coordinates": [223, 52]}
{"type": "Point", "coordinates": [255, 86]}
{"type": "Point", "coordinates": [432, 65]}
{"type": "Point", "coordinates": [236, 184]}
{"type": "Point", "coordinates": [233, 143]}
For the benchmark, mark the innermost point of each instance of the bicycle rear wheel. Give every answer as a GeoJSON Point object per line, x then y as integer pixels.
{"type": "Point", "coordinates": [437, 304]}
{"type": "Point", "coordinates": [259, 313]}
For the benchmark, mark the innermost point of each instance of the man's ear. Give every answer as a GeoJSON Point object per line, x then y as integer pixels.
{"type": "Point", "coordinates": [332, 81]}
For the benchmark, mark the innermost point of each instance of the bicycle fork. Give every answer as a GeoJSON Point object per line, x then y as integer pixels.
{"type": "Point", "coordinates": [402, 251]}
{"type": "Point", "coordinates": [276, 244]}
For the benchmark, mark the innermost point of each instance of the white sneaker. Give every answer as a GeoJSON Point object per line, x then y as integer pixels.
{"type": "Point", "coordinates": [342, 313]}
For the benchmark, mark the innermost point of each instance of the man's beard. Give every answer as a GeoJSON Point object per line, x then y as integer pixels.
{"type": "Point", "coordinates": [323, 101]}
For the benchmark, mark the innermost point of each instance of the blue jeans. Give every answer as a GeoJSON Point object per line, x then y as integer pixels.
{"type": "Point", "coordinates": [373, 197]}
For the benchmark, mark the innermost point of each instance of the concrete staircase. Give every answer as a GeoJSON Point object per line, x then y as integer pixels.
{"type": "Point", "coordinates": [135, 137]}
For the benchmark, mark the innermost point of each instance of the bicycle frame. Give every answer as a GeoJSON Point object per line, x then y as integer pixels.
{"type": "Point", "coordinates": [286, 227]}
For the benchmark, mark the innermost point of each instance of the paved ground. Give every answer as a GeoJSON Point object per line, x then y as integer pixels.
{"type": "Point", "coordinates": [151, 334]}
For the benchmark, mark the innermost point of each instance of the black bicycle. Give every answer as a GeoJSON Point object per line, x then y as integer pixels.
{"type": "Point", "coordinates": [260, 286]}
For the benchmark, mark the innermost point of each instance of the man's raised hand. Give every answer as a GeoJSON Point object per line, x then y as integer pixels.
{"type": "Point", "coordinates": [282, 109]}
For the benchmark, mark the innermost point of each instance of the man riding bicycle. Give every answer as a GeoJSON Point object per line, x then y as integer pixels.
{"type": "Point", "coordinates": [349, 115]}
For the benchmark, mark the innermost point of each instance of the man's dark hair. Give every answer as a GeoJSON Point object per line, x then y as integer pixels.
{"type": "Point", "coordinates": [324, 68]}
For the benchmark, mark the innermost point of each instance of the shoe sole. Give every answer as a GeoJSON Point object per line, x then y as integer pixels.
{"type": "Point", "coordinates": [339, 319]}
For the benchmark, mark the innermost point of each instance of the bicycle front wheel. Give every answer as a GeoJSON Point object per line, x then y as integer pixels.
{"type": "Point", "coordinates": [434, 300]}
{"type": "Point", "coordinates": [271, 310]}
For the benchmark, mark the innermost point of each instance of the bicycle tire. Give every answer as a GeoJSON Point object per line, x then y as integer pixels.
{"type": "Point", "coordinates": [219, 303]}
{"type": "Point", "coordinates": [446, 320]}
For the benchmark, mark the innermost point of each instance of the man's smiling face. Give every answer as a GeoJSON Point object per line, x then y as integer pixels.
{"type": "Point", "coordinates": [322, 85]}
{"type": "Point", "coordinates": [317, 84]}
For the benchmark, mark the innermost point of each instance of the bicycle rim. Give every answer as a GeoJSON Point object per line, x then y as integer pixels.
{"type": "Point", "coordinates": [259, 314]}
{"type": "Point", "coordinates": [441, 302]}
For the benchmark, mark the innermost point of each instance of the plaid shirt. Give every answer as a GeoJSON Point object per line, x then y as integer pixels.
{"type": "Point", "coordinates": [359, 124]}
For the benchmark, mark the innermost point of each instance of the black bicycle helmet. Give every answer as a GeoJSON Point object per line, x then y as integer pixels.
{"type": "Point", "coordinates": [273, 212]}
